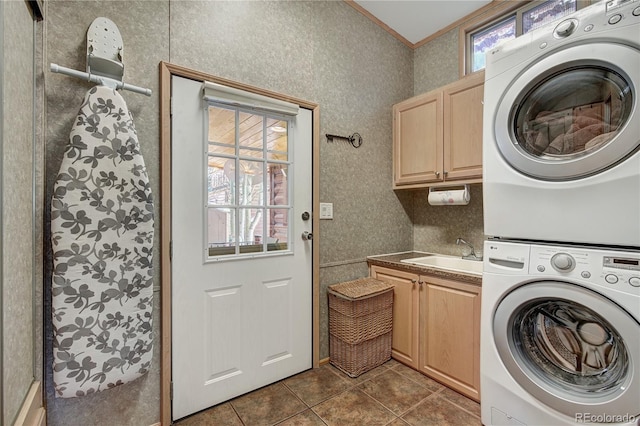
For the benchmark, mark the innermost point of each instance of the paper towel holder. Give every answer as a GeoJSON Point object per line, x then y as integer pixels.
{"type": "Point", "coordinates": [450, 195]}
{"type": "Point", "coordinates": [452, 187]}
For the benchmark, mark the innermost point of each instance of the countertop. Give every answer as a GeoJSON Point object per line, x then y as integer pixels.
{"type": "Point", "coordinates": [394, 261]}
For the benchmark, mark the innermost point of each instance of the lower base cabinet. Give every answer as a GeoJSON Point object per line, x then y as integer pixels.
{"type": "Point", "coordinates": [436, 327]}
{"type": "Point", "coordinates": [404, 344]}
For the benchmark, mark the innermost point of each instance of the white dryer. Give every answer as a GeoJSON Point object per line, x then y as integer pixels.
{"type": "Point", "coordinates": [562, 130]}
{"type": "Point", "coordinates": [560, 335]}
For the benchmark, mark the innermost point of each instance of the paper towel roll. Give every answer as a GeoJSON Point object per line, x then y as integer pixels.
{"type": "Point", "coordinates": [448, 197]}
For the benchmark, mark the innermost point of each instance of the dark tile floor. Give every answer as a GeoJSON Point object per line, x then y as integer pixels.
{"type": "Point", "coordinates": [391, 394]}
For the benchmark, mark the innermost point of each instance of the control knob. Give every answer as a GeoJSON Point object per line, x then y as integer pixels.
{"type": "Point", "coordinates": [566, 28]}
{"type": "Point", "coordinates": [563, 262]}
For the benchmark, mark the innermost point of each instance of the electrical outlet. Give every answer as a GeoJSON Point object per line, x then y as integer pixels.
{"type": "Point", "coordinates": [326, 210]}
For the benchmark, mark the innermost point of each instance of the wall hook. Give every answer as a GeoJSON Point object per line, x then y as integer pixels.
{"type": "Point", "coordinates": [355, 139]}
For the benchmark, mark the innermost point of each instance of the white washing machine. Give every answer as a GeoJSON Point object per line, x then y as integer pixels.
{"type": "Point", "coordinates": [562, 130]}
{"type": "Point", "coordinates": [560, 335]}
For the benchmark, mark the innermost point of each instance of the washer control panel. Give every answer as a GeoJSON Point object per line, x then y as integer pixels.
{"type": "Point", "coordinates": [563, 262]}
{"type": "Point", "coordinates": [623, 268]}
{"type": "Point", "coordinates": [609, 268]}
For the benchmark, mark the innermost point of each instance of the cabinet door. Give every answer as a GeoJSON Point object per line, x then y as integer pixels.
{"type": "Point", "coordinates": [417, 139]}
{"type": "Point", "coordinates": [450, 334]}
{"type": "Point", "coordinates": [404, 346]}
{"type": "Point", "coordinates": [463, 128]}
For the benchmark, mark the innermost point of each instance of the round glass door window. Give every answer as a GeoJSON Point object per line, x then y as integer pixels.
{"type": "Point", "coordinates": [572, 113]}
{"type": "Point", "coordinates": [570, 347]}
{"type": "Point", "coordinates": [573, 349]}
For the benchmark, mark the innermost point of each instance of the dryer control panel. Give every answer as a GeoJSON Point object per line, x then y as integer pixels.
{"type": "Point", "coordinates": [614, 269]}
{"type": "Point", "coordinates": [583, 24]}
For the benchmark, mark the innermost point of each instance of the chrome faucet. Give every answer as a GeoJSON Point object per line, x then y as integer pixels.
{"type": "Point", "coordinates": [470, 256]}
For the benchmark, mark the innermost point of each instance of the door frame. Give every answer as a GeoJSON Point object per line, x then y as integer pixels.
{"type": "Point", "coordinates": [168, 70]}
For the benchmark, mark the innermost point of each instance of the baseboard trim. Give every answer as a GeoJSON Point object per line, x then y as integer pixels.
{"type": "Point", "coordinates": [32, 413]}
{"type": "Point", "coordinates": [324, 361]}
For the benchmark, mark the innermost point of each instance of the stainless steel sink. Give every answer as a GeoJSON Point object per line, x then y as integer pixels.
{"type": "Point", "coordinates": [448, 263]}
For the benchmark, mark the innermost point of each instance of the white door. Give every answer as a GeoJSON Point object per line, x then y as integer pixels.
{"type": "Point", "coordinates": [241, 271]}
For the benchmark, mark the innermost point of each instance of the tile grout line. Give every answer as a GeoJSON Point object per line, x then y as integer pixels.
{"type": "Point", "coordinates": [460, 407]}
{"type": "Point", "coordinates": [413, 407]}
{"type": "Point", "coordinates": [236, 413]}
{"type": "Point", "coordinates": [399, 416]}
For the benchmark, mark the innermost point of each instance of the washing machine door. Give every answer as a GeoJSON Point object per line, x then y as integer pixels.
{"type": "Point", "coordinates": [572, 114]}
{"type": "Point", "coordinates": [571, 348]}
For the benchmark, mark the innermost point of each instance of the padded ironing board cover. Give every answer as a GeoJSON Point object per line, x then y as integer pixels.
{"type": "Point", "coordinates": [102, 241]}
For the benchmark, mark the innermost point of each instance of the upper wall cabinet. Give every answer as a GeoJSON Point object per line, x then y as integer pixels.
{"type": "Point", "coordinates": [437, 136]}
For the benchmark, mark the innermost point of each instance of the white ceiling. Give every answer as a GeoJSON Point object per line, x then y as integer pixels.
{"type": "Point", "coordinates": [416, 20]}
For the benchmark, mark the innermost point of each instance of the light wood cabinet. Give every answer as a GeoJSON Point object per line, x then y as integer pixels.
{"type": "Point", "coordinates": [436, 327]}
{"type": "Point", "coordinates": [404, 345]}
{"type": "Point", "coordinates": [437, 136]}
{"type": "Point", "coordinates": [450, 334]}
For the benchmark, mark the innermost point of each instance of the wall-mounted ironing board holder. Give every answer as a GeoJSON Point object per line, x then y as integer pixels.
{"type": "Point", "coordinates": [104, 58]}
{"type": "Point", "coordinates": [105, 50]}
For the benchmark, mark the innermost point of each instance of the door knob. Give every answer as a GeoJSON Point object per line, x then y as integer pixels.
{"type": "Point", "coordinates": [307, 236]}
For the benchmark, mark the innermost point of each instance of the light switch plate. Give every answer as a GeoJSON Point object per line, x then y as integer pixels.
{"type": "Point", "coordinates": [326, 210]}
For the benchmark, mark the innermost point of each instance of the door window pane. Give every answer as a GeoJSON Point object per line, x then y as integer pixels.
{"type": "Point", "coordinates": [489, 38]}
{"type": "Point", "coordinates": [278, 229]}
{"type": "Point", "coordinates": [277, 143]}
{"type": "Point", "coordinates": [572, 113]}
{"type": "Point", "coordinates": [220, 181]}
{"type": "Point", "coordinates": [250, 230]}
{"type": "Point", "coordinates": [277, 185]}
{"type": "Point", "coordinates": [250, 183]}
{"type": "Point", "coordinates": [220, 231]}
{"type": "Point", "coordinates": [251, 127]}
{"type": "Point", "coordinates": [222, 126]}
{"type": "Point", "coordinates": [547, 12]}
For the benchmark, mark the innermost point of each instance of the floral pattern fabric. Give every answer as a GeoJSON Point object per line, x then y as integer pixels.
{"type": "Point", "coordinates": [102, 241]}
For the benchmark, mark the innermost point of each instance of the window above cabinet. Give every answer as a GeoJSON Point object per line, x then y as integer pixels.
{"type": "Point", "coordinates": [505, 22]}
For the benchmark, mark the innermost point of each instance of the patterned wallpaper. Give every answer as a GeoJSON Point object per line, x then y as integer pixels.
{"type": "Point", "coordinates": [321, 51]}
{"type": "Point", "coordinates": [16, 190]}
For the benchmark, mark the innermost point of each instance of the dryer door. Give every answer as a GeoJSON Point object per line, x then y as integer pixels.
{"type": "Point", "coordinates": [572, 114]}
{"type": "Point", "coordinates": [571, 348]}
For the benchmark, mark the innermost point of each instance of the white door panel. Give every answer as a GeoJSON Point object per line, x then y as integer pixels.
{"type": "Point", "coordinates": [239, 324]}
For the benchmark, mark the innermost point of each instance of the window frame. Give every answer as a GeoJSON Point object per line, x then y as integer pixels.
{"type": "Point", "coordinates": [236, 207]}
{"type": "Point", "coordinates": [501, 12]}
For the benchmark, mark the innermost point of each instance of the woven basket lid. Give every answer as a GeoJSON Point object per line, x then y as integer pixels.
{"type": "Point", "coordinates": [360, 288]}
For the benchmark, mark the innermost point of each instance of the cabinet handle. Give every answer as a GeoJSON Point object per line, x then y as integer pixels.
{"type": "Point", "coordinates": [420, 282]}
{"type": "Point", "coordinates": [446, 173]}
{"type": "Point", "coordinates": [413, 281]}
{"type": "Point", "coordinates": [437, 174]}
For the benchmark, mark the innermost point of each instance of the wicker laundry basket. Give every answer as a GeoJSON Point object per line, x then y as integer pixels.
{"type": "Point", "coordinates": [360, 322]}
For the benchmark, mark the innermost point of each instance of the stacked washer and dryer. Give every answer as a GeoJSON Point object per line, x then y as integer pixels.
{"type": "Point", "coordinates": [560, 328]}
